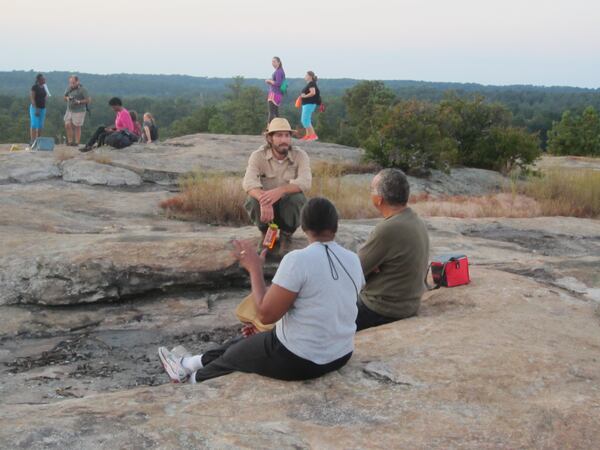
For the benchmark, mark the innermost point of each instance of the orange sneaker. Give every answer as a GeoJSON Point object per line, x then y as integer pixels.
{"type": "Point", "coordinates": [312, 137]}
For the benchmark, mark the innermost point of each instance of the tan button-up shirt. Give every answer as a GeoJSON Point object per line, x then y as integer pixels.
{"type": "Point", "coordinates": [266, 172]}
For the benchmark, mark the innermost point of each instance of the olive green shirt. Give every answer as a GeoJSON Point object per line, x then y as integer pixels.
{"type": "Point", "coordinates": [266, 172]}
{"type": "Point", "coordinates": [79, 93]}
{"type": "Point", "coordinates": [395, 259]}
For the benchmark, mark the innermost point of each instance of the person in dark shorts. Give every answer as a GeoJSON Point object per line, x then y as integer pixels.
{"type": "Point", "coordinates": [312, 301]}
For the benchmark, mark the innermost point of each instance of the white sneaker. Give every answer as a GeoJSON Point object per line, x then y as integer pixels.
{"type": "Point", "coordinates": [181, 352]}
{"type": "Point", "coordinates": [172, 365]}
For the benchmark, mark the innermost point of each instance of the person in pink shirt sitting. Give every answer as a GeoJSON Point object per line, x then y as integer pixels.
{"type": "Point", "coordinates": [123, 122]}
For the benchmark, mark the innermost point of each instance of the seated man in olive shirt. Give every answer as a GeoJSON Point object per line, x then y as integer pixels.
{"type": "Point", "coordinates": [395, 257]}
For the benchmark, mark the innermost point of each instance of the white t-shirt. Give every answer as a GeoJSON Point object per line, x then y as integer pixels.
{"type": "Point", "coordinates": [321, 323]}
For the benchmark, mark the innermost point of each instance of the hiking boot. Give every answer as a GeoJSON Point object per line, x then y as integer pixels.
{"type": "Point", "coordinates": [285, 242]}
{"type": "Point", "coordinates": [85, 149]}
{"type": "Point", "coordinates": [172, 365]}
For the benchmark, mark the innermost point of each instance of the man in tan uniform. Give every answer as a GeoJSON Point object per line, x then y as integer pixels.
{"type": "Point", "coordinates": [276, 179]}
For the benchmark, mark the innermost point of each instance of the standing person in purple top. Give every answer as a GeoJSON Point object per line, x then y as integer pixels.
{"type": "Point", "coordinates": [275, 94]}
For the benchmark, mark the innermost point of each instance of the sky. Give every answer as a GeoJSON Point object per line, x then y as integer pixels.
{"type": "Point", "coordinates": [489, 42]}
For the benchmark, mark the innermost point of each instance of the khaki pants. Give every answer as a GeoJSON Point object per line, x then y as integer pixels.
{"type": "Point", "coordinates": [287, 212]}
{"type": "Point", "coordinates": [76, 118]}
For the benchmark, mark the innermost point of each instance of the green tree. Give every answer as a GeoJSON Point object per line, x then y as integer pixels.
{"type": "Point", "coordinates": [507, 148]}
{"type": "Point", "coordinates": [576, 134]}
{"type": "Point", "coordinates": [484, 135]}
{"type": "Point", "coordinates": [366, 104]}
{"type": "Point", "coordinates": [411, 139]}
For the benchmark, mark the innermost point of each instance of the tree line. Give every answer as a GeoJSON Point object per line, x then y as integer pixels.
{"type": "Point", "coordinates": [411, 126]}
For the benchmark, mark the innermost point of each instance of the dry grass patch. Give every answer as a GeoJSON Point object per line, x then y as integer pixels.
{"type": "Point", "coordinates": [557, 192]}
{"type": "Point", "coordinates": [63, 154]}
{"type": "Point", "coordinates": [566, 192]}
{"type": "Point", "coordinates": [351, 198]}
{"type": "Point", "coordinates": [209, 198]}
{"type": "Point", "coordinates": [219, 199]}
{"type": "Point", "coordinates": [493, 205]}
{"type": "Point", "coordinates": [99, 158]}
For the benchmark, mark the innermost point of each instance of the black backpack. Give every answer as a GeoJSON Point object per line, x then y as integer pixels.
{"type": "Point", "coordinates": [120, 139]}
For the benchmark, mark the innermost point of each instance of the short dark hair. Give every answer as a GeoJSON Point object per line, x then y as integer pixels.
{"type": "Point", "coordinates": [115, 101]}
{"type": "Point", "coordinates": [319, 215]}
{"type": "Point", "coordinates": [393, 186]}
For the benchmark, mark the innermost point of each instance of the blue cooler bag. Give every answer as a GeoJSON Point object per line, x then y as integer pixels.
{"type": "Point", "coordinates": [45, 144]}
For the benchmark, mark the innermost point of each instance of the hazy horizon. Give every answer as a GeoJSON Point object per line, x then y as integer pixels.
{"type": "Point", "coordinates": [298, 77]}
{"type": "Point", "coordinates": [534, 43]}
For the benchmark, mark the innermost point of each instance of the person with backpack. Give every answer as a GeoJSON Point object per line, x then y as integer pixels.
{"type": "Point", "coordinates": [277, 87]}
{"type": "Point", "coordinates": [311, 98]}
{"type": "Point", "coordinates": [77, 99]}
{"type": "Point", "coordinates": [120, 135]}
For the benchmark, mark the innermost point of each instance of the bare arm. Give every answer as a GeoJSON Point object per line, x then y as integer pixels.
{"type": "Point", "coordinates": [269, 198]}
{"type": "Point", "coordinates": [271, 303]}
{"type": "Point", "coordinates": [311, 93]}
{"type": "Point", "coordinates": [147, 134]}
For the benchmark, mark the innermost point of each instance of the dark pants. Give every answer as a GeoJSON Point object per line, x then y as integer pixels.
{"type": "Point", "coordinates": [287, 212]}
{"type": "Point", "coordinates": [273, 112]}
{"type": "Point", "coordinates": [98, 136]}
{"type": "Point", "coordinates": [263, 354]}
{"type": "Point", "coordinates": [368, 318]}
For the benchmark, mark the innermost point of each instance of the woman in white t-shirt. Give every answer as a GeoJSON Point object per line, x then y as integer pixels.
{"type": "Point", "coordinates": [312, 301]}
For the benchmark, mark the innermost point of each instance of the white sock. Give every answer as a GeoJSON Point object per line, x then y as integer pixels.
{"type": "Point", "coordinates": [193, 378]}
{"type": "Point", "coordinates": [192, 363]}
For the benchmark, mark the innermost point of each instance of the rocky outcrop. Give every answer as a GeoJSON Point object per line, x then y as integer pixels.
{"type": "Point", "coordinates": [465, 181]}
{"type": "Point", "coordinates": [94, 278]}
{"type": "Point", "coordinates": [502, 363]}
{"type": "Point", "coordinates": [164, 163]}
{"type": "Point", "coordinates": [91, 172]}
{"type": "Point", "coordinates": [27, 167]}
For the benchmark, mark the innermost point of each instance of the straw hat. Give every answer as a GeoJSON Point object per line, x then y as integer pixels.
{"type": "Point", "coordinates": [279, 124]}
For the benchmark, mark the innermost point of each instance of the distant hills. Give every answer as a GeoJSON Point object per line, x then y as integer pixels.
{"type": "Point", "coordinates": [18, 83]}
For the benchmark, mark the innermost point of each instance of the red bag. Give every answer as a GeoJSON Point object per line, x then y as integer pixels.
{"type": "Point", "coordinates": [450, 270]}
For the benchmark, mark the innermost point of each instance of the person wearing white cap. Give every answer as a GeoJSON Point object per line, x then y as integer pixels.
{"type": "Point", "coordinates": [276, 179]}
